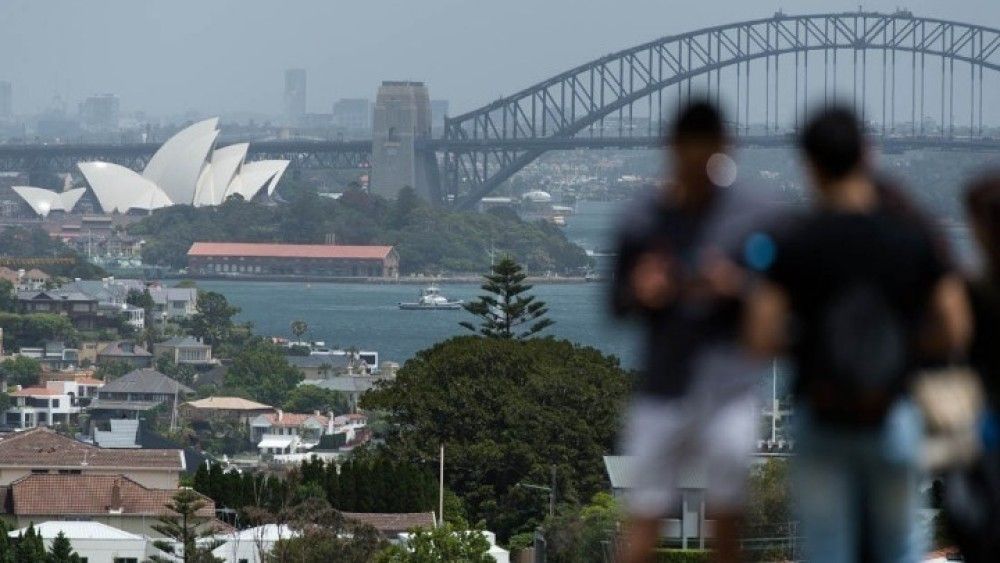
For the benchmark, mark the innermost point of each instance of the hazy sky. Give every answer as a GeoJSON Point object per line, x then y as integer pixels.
{"type": "Point", "coordinates": [170, 56]}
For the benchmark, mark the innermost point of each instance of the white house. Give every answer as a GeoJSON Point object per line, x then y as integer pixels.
{"type": "Point", "coordinates": [285, 432]}
{"type": "Point", "coordinates": [247, 546]}
{"type": "Point", "coordinates": [58, 402]}
{"type": "Point", "coordinates": [96, 542]}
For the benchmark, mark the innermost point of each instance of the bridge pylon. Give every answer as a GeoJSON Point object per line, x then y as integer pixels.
{"type": "Point", "coordinates": [402, 120]}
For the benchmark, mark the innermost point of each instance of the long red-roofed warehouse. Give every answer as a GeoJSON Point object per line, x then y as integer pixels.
{"type": "Point", "coordinates": [268, 259]}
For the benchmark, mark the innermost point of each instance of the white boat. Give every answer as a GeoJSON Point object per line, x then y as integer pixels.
{"type": "Point", "coordinates": [431, 298]}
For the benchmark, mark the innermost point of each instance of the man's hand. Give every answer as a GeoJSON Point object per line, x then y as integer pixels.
{"type": "Point", "coordinates": [651, 281]}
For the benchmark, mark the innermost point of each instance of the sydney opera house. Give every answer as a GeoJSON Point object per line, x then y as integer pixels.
{"type": "Point", "coordinates": [187, 169]}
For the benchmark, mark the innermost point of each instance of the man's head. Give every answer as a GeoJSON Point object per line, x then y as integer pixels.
{"type": "Point", "coordinates": [834, 146]}
{"type": "Point", "coordinates": [697, 134]}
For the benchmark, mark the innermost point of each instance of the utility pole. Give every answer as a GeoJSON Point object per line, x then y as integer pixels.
{"type": "Point", "coordinates": [441, 488]}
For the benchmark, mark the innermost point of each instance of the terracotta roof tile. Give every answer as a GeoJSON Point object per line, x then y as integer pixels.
{"type": "Point", "coordinates": [293, 419]}
{"type": "Point", "coordinates": [35, 392]}
{"type": "Point", "coordinates": [259, 250]}
{"type": "Point", "coordinates": [42, 447]}
{"type": "Point", "coordinates": [89, 494]}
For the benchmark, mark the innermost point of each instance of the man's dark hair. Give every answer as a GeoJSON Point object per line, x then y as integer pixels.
{"type": "Point", "coordinates": [699, 120]}
{"type": "Point", "coordinates": [834, 142]}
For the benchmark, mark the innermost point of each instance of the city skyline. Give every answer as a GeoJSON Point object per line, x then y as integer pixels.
{"type": "Point", "coordinates": [152, 62]}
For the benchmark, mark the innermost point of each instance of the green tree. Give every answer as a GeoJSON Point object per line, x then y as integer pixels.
{"type": "Point", "coordinates": [507, 311]}
{"type": "Point", "coordinates": [443, 543]}
{"type": "Point", "coordinates": [309, 398]}
{"type": "Point", "coordinates": [190, 531]}
{"type": "Point", "coordinates": [406, 204]}
{"type": "Point", "coordinates": [213, 321]}
{"type": "Point", "coordinates": [584, 534]}
{"type": "Point", "coordinates": [61, 551]}
{"type": "Point", "coordinates": [8, 299]}
{"type": "Point", "coordinates": [324, 536]}
{"type": "Point", "coordinates": [6, 546]}
{"type": "Point", "coordinates": [143, 300]}
{"type": "Point", "coordinates": [21, 370]}
{"type": "Point", "coordinates": [507, 411]}
{"type": "Point", "coordinates": [29, 546]}
{"type": "Point", "coordinates": [298, 328]}
{"type": "Point", "coordinates": [262, 370]}
{"type": "Point", "coordinates": [112, 369]}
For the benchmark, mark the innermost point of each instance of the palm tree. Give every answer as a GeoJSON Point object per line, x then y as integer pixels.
{"type": "Point", "coordinates": [298, 328]}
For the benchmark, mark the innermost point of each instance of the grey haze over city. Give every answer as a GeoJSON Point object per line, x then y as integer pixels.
{"type": "Point", "coordinates": [227, 56]}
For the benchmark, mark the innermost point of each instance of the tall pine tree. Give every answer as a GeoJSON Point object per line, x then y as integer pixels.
{"type": "Point", "coordinates": [507, 311]}
{"type": "Point", "coordinates": [61, 551]}
{"type": "Point", "coordinates": [190, 532]}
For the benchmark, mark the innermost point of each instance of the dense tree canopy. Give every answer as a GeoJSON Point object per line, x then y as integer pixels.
{"type": "Point", "coordinates": [507, 411]}
{"type": "Point", "coordinates": [429, 239]}
{"type": "Point", "coordinates": [262, 370]}
{"type": "Point", "coordinates": [443, 543]}
{"type": "Point", "coordinates": [309, 398]}
{"type": "Point", "coordinates": [213, 321]}
{"type": "Point", "coordinates": [35, 329]}
{"type": "Point", "coordinates": [21, 370]}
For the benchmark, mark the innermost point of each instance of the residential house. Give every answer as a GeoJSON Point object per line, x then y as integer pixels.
{"type": "Point", "coordinates": [135, 392]}
{"type": "Point", "coordinates": [57, 402]}
{"type": "Point", "coordinates": [95, 542]}
{"type": "Point", "coordinates": [53, 355]}
{"type": "Point", "coordinates": [185, 350]}
{"type": "Point", "coordinates": [224, 408]}
{"type": "Point", "coordinates": [112, 500]}
{"type": "Point", "coordinates": [172, 304]}
{"type": "Point", "coordinates": [285, 432]}
{"type": "Point", "coordinates": [320, 366]}
{"type": "Point", "coordinates": [80, 308]}
{"type": "Point", "coordinates": [247, 546]}
{"type": "Point", "coordinates": [684, 523]}
{"type": "Point", "coordinates": [111, 295]}
{"type": "Point", "coordinates": [33, 280]}
{"type": "Point", "coordinates": [125, 351]}
{"type": "Point", "coordinates": [41, 451]}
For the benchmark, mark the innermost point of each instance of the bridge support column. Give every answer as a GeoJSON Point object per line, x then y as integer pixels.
{"type": "Point", "coordinates": [402, 119]}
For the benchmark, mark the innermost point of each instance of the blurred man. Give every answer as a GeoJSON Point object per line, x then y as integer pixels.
{"type": "Point", "coordinates": [858, 293]}
{"type": "Point", "coordinates": [694, 408]}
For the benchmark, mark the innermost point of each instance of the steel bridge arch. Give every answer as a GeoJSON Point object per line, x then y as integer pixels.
{"type": "Point", "coordinates": [480, 147]}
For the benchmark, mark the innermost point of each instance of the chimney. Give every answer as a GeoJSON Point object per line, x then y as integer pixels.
{"type": "Point", "coordinates": [281, 414]}
{"type": "Point", "coordinates": [116, 497]}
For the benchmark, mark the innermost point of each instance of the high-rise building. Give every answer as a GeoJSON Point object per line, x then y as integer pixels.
{"type": "Point", "coordinates": [6, 100]}
{"type": "Point", "coordinates": [100, 112]}
{"type": "Point", "coordinates": [353, 114]}
{"type": "Point", "coordinates": [295, 94]}
{"type": "Point", "coordinates": [402, 116]}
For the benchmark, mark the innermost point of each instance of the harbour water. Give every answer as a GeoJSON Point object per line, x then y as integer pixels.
{"type": "Point", "coordinates": [367, 316]}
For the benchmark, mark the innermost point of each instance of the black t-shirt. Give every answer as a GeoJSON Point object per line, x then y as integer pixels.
{"type": "Point", "coordinates": [887, 263]}
{"type": "Point", "coordinates": [676, 334]}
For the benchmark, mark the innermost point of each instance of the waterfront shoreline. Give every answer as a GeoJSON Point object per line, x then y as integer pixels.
{"type": "Point", "coordinates": [408, 280]}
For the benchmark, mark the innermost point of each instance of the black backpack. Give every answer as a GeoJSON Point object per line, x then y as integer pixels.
{"type": "Point", "coordinates": [864, 346]}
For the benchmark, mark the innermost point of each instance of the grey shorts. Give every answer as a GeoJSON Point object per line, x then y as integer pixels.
{"type": "Point", "coordinates": [703, 440]}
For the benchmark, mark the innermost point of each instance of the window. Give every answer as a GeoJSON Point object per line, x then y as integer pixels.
{"type": "Point", "coordinates": [125, 560]}
{"type": "Point", "coordinates": [39, 471]}
{"type": "Point", "coordinates": [69, 471]}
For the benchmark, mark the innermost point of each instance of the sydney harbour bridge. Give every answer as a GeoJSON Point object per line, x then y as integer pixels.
{"type": "Point", "coordinates": [899, 70]}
